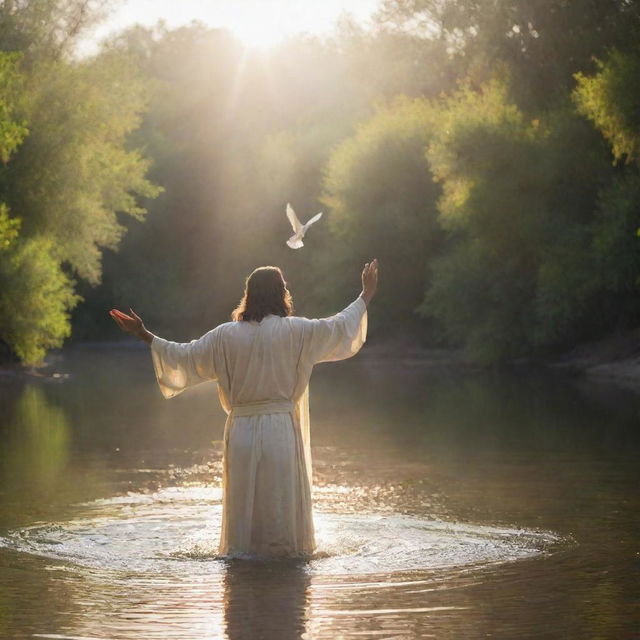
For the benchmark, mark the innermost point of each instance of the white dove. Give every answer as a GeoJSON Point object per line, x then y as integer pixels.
{"type": "Point", "coordinates": [295, 241]}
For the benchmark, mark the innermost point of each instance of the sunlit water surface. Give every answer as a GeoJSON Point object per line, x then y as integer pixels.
{"type": "Point", "coordinates": [447, 504]}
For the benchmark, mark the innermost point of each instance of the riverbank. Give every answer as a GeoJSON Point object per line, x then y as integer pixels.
{"type": "Point", "coordinates": [615, 359]}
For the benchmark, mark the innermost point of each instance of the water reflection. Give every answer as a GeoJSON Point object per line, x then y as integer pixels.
{"type": "Point", "coordinates": [37, 445]}
{"type": "Point", "coordinates": [246, 599]}
{"type": "Point", "coordinates": [128, 570]}
{"type": "Point", "coordinates": [266, 600]}
{"type": "Point", "coordinates": [435, 495]}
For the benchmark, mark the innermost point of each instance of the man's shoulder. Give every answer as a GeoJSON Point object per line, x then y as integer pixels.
{"type": "Point", "coordinates": [297, 321]}
{"type": "Point", "coordinates": [225, 327]}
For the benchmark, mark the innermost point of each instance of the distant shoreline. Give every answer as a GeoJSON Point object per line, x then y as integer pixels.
{"type": "Point", "coordinates": [615, 359]}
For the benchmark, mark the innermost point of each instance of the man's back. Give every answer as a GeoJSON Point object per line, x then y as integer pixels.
{"type": "Point", "coordinates": [261, 358]}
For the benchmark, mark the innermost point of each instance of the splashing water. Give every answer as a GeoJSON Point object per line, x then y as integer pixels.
{"type": "Point", "coordinates": [176, 530]}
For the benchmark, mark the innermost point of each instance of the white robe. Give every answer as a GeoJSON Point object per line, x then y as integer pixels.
{"type": "Point", "coordinates": [262, 370]}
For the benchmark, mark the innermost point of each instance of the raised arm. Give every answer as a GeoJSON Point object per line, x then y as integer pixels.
{"type": "Point", "coordinates": [342, 335]}
{"type": "Point", "coordinates": [369, 279]}
{"type": "Point", "coordinates": [132, 324]}
{"type": "Point", "coordinates": [177, 365]}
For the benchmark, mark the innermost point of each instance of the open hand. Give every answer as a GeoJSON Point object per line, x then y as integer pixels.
{"type": "Point", "coordinates": [370, 280]}
{"type": "Point", "coordinates": [129, 324]}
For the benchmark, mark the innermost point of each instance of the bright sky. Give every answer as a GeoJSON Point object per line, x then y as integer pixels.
{"type": "Point", "coordinates": [256, 22]}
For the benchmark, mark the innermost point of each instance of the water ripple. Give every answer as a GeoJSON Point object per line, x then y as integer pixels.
{"type": "Point", "coordinates": [174, 533]}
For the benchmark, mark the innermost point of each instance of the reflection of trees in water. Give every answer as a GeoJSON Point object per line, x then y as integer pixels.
{"type": "Point", "coordinates": [451, 411]}
{"type": "Point", "coordinates": [34, 457]}
{"type": "Point", "coordinates": [39, 475]}
{"type": "Point", "coordinates": [266, 599]}
{"type": "Point", "coordinates": [36, 445]}
{"type": "Point", "coordinates": [501, 447]}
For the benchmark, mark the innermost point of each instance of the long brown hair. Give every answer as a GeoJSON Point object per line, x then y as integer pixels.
{"type": "Point", "coordinates": [265, 292]}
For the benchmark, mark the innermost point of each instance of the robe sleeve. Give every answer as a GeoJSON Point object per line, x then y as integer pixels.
{"type": "Point", "coordinates": [179, 365]}
{"type": "Point", "coordinates": [340, 336]}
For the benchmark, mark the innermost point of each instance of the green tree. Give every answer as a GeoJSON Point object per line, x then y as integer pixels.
{"type": "Point", "coordinates": [48, 29]}
{"type": "Point", "coordinates": [518, 198]}
{"type": "Point", "coordinates": [383, 204]}
{"type": "Point", "coordinates": [35, 299]}
{"type": "Point", "coordinates": [12, 132]}
{"type": "Point", "coordinates": [610, 98]}
{"type": "Point", "coordinates": [73, 173]}
{"type": "Point", "coordinates": [68, 177]}
{"type": "Point", "coordinates": [616, 249]}
{"type": "Point", "coordinates": [539, 45]}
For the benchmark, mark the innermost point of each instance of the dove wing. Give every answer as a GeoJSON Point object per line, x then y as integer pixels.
{"type": "Point", "coordinates": [312, 220]}
{"type": "Point", "coordinates": [293, 219]}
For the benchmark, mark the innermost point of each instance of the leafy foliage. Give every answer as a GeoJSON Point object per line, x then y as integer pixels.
{"type": "Point", "coordinates": [68, 171]}
{"type": "Point", "coordinates": [467, 144]}
{"type": "Point", "coordinates": [35, 297]}
{"type": "Point", "coordinates": [518, 207]}
{"type": "Point", "coordinates": [611, 100]}
{"type": "Point", "coordinates": [383, 201]}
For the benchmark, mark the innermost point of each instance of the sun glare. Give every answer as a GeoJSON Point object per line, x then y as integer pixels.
{"type": "Point", "coordinates": [257, 35]}
{"type": "Point", "coordinates": [264, 24]}
{"type": "Point", "coordinates": [261, 29]}
{"type": "Point", "coordinates": [257, 23]}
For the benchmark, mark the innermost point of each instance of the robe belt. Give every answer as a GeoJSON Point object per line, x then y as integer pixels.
{"type": "Point", "coordinates": [262, 406]}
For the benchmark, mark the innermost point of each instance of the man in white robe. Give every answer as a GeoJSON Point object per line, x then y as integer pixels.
{"type": "Point", "coordinates": [262, 370]}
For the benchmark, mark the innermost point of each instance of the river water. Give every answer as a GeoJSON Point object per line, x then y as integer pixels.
{"type": "Point", "coordinates": [448, 504]}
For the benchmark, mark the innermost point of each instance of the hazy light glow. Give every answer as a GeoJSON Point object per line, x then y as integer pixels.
{"type": "Point", "coordinates": [259, 23]}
